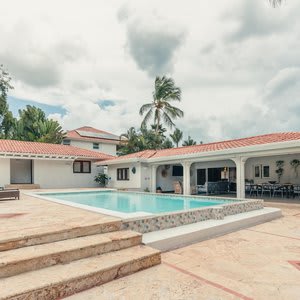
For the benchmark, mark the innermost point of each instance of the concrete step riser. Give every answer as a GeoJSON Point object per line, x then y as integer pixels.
{"type": "Point", "coordinates": [59, 236]}
{"type": "Point", "coordinates": [36, 263]}
{"type": "Point", "coordinates": [78, 284]}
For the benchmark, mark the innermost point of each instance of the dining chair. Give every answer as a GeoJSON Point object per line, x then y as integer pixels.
{"type": "Point", "coordinates": [255, 189]}
{"type": "Point", "coordinates": [297, 190]}
{"type": "Point", "coordinates": [266, 189]}
{"type": "Point", "coordinates": [278, 189]}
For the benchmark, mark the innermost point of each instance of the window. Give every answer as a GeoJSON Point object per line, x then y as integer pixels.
{"type": "Point", "coordinates": [266, 171]}
{"type": "Point", "coordinates": [257, 172]}
{"type": "Point", "coordinates": [95, 145]}
{"type": "Point", "coordinates": [123, 174]}
{"type": "Point", "coordinates": [67, 142]}
{"type": "Point", "coordinates": [82, 167]}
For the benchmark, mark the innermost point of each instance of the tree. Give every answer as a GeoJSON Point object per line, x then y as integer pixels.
{"type": "Point", "coordinates": [143, 139]}
{"type": "Point", "coordinates": [189, 142]}
{"type": "Point", "coordinates": [176, 136]}
{"type": "Point", "coordinates": [132, 142]}
{"type": "Point", "coordinates": [6, 117]}
{"type": "Point", "coordinates": [51, 132]}
{"type": "Point", "coordinates": [33, 125]}
{"type": "Point", "coordinates": [8, 126]}
{"type": "Point", "coordinates": [167, 144]}
{"type": "Point", "coordinates": [165, 91]}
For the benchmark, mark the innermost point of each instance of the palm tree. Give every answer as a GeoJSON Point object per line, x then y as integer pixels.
{"type": "Point", "coordinates": [176, 136]}
{"type": "Point", "coordinates": [165, 91]}
{"type": "Point", "coordinates": [189, 142]}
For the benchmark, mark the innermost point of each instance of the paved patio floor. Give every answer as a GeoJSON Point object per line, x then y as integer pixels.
{"type": "Point", "coordinates": [255, 263]}
{"type": "Point", "coordinates": [30, 216]}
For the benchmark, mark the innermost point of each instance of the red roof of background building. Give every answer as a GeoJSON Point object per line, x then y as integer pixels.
{"type": "Point", "coordinates": [73, 134]}
{"type": "Point", "coordinates": [12, 146]}
{"type": "Point", "coordinates": [215, 146]}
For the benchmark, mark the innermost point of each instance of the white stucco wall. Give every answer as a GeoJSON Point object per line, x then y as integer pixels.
{"type": "Point", "coordinates": [108, 149]}
{"type": "Point", "coordinates": [288, 175]}
{"type": "Point", "coordinates": [59, 174]}
{"type": "Point", "coordinates": [4, 171]}
{"type": "Point", "coordinates": [134, 181]}
{"type": "Point", "coordinates": [145, 177]}
{"type": "Point", "coordinates": [166, 183]}
{"type": "Point", "coordinates": [103, 147]}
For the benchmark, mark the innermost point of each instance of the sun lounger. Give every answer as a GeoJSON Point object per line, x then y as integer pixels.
{"type": "Point", "coordinates": [9, 194]}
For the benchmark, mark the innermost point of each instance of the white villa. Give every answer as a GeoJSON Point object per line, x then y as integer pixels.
{"type": "Point", "coordinates": [34, 165]}
{"type": "Point", "coordinates": [92, 139]}
{"type": "Point", "coordinates": [213, 168]}
{"type": "Point", "coordinates": [210, 168]}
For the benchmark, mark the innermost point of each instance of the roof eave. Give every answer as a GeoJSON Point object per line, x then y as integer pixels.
{"type": "Point", "coordinates": [245, 151]}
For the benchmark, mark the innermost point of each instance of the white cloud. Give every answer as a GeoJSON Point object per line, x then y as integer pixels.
{"type": "Point", "coordinates": [236, 61]}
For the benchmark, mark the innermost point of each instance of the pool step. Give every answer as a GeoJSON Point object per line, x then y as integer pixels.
{"type": "Point", "coordinates": [16, 261]}
{"type": "Point", "coordinates": [48, 235]}
{"type": "Point", "coordinates": [181, 236]}
{"type": "Point", "coordinates": [64, 280]}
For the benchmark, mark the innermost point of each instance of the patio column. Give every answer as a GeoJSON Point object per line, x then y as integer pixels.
{"type": "Point", "coordinates": [153, 178]}
{"type": "Point", "coordinates": [240, 176]}
{"type": "Point", "coordinates": [186, 178]}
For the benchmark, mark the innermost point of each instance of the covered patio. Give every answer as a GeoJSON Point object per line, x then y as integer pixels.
{"type": "Point", "coordinates": [259, 175]}
{"type": "Point", "coordinates": [258, 166]}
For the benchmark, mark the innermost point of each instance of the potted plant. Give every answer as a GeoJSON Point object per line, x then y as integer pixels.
{"type": "Point", "coordinates": [295, 163]}
{"type": "Point", "coordinates": [279, 171]}
{"type": "Point", "coordinates": [102, 179]}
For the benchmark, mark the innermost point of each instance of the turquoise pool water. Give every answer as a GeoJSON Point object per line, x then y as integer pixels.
{"type": "Point", "coordinates": [133, 202]}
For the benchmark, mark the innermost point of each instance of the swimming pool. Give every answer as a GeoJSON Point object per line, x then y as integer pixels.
{"type": "Point", "coordinates": [146, 212]}
{"type": "Point", "coordinates": [126, 202]}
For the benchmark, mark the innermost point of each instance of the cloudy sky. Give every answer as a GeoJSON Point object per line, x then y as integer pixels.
{"type": "Point", "coordinates": [94, 62]}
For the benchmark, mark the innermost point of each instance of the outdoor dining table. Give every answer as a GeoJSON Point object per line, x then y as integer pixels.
{"type": "Point", "coordinates": [287, 188]}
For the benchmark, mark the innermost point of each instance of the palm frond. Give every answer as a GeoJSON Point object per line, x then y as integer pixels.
{"type": "Point", "coordinates": [174, 112]}
{"type": "Point", "coordinates": [167, 120]}
{"type": "Point", "coordinates": [145, 107]}
{"type": "Point", "coordinates": [147, 117]}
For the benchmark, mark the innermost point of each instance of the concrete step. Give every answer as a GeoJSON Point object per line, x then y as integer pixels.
{"type": "Point", "coordinates": [64, 280]}
{"type": "Point", "coordinates": [181, 236]}
{"type": "Point", "coordinates": [24, 186]}
{"type": "Point", "coordinates": [48, 235]}
{"type": "Point", "coordinates": [17, 261]}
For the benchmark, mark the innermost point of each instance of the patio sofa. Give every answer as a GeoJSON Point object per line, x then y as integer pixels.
{"type": "Point", "coordinates": [9, 194]}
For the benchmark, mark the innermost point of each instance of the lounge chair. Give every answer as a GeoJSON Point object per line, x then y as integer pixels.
{"type": "Point", "coordinates": [9, 194]}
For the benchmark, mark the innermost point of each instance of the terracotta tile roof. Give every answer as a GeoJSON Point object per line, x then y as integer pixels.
{"type": "Point", "coordinates": [12, 146]}
{"type": "Point", "coordinates": [77, 134]}
{"type": "Point", "coordinates": [215, 146]}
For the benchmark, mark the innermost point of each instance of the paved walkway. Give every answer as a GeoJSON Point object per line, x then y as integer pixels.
{"type": "Point", "coordinates": [30, 216]}
{"type": "Point", "coordinates": [255, 263]}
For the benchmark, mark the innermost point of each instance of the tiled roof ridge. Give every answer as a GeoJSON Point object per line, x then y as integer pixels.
{"type": "Point", "coordinates": [232, 140]}
{"type": "Point", "coordinates": [214, 146]}
{"type": "Point", "coordinates": [28, 147]}
{"type": "Point", "coordinates": [90, 127]}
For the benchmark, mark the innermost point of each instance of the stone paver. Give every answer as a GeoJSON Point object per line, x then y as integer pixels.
{"type": "Point", "coordinates": [30, 216]}
{"type": "Point", "coordinates": [248, 264]}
